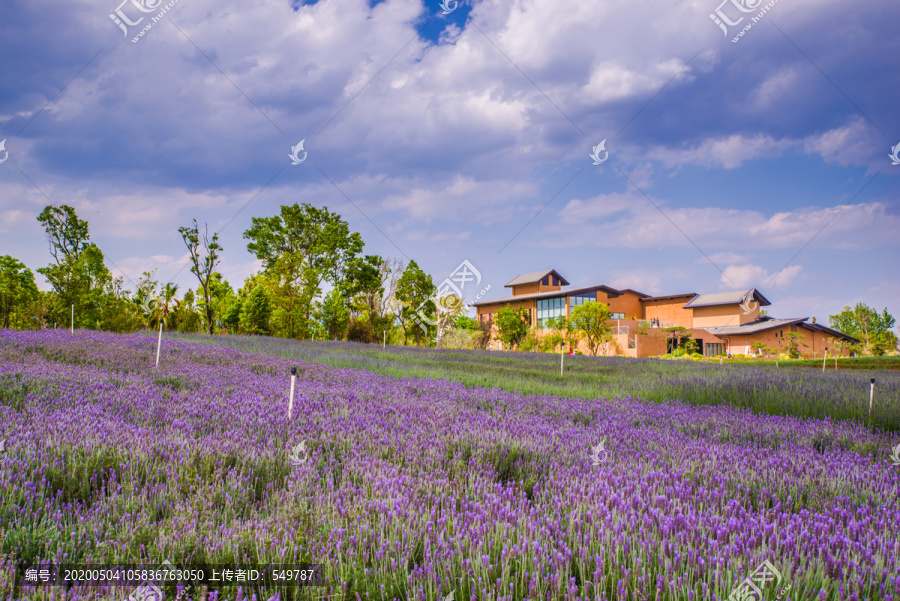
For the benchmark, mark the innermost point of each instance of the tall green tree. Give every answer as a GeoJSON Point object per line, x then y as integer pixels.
{"type": "Point", "coordinates": [416, 301]}
{"type": "Point", "coordinates": [78, 274]}
{"type": "Point", "coordinates": [256, 310]}
{"type": "Point", "coordinates": [590, 321]}
{"type": "Point", "coordinates": [335, 315]}
{"type": "Point", "coordinates": [203, 262]}
{"type": "Point", "coordinates": [872, 328]}
{"type": "Point", "coordinates": [301, 248]}
{"type": "Point", "coordinates": [17, 289]}
{"type": "Point", "coordinates": [512, 325]}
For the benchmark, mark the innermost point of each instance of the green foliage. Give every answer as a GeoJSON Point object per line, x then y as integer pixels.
{"type": "Point", "coordinates": [256, 311]}
{"type": "Point", "coordinates": [679, 338]}
{"type": "Point", "coordinates": [335, 315]}
{"type": "Point", "coordinates": [301, 248]}
{"type": "Point", "coordinates": [512, 325]}
{"type": "Point", "coordinates": [792, 344]}
{"type": "Point", "coordinates": [361, 330]}
{"type": "Point", "coordinates": [78, 274]}
{"type": "Point", "coordinates": [203, 263]}
{"type": "Point", "coordinates": [873, 329]}
{"type": "Point", "coordinates": [17, 290]}
{"type": "Point", "coordinates": [590, 320]}
{"type": "Point", "coordinates": [415, 293]}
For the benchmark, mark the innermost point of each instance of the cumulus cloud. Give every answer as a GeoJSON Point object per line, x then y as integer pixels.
{"type": "Point", "coordinates": [754, 276]}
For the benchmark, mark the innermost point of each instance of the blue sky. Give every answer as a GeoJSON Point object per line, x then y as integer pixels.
{"type": "Point", "coordinates": [442, 138]}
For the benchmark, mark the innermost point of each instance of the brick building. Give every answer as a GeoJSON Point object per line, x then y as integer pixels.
{"type": "Point", "coordinates": [721, 322]}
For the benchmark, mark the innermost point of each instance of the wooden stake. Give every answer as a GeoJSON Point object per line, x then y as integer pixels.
{"type": "Point", "coordinates": [824, 359]}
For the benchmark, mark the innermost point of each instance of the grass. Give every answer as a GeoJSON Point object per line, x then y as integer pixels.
{"type": "Point", "coordinates": [789, 388]}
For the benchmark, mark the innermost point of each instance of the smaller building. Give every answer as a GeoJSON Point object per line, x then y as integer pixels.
{"type": "Point", "coordinates": [720, 322]}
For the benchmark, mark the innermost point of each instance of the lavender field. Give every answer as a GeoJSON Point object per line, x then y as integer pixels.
{"type": "Point", "coordinates": [416, 488]}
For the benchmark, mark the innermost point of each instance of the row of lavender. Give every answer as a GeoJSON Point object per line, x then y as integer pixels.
{"type": "Point", "coordinates": [413, 489]}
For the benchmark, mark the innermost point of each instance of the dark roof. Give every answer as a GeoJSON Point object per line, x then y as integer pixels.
{"type": "Point", "coordinates": [771, 323]}
{"type": "Point", "coordinates": [826, 330]}
{"type": "Point", "coordinates": [550, 294]}
{"type": "Point", "coordinates": [641, 294]}
{"type": "Point", "coordinates": [537, 276]}
{"type": "Point", "coordinates": [670, 297]}
{"type": "Point", "coordinates": [756, 327]}
{"type": "Point", "coordinates": [735, 297]}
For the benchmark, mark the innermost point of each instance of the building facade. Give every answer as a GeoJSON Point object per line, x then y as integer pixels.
{"type": "Point", "coordinates": [721, 322]}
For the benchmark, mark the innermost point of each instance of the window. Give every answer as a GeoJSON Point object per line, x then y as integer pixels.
{"type": "Point", "coordinates": [617, 316]}
{"type": "Point", "coordinates": [548, 308]}
{"type": "Point", "coordinates": [580, 299]}
{"type": "Point", "coordinates": [714, 348]}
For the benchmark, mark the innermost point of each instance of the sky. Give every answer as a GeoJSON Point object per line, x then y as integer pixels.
{"type": "Point", "coordinates": [742, 144]}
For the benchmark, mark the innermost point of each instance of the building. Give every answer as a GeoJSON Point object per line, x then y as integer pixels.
{"type": "Point", "coordinates": [721, 322]}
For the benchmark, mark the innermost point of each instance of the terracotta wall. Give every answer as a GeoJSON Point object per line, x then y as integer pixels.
{"type": "Point", "coordinates": [628, 303]}
{"type": "Point", "coordinates": [534, 288]}
{"type": "Point", "coordinates": [526, 289]}
{"type": "Point", "coordinates": [719, 316]}
{"type": "Point", "coordinates": [815, 343]}
{"type": "Point", "coordinates": [669, 311]}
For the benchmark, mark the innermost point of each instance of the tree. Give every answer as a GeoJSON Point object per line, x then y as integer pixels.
{"type": "Point", "coordinates": [590, 321]}
{"type": "Point", "coordinates": [449, 307]}
{"type": "Point", "coordinates": [679, 341]}
{"type": "Point", "coordinates": [203, 262]}
{"type": "Point", "coordinates": [17, 288]}
{"type": "Point", "coordinates": [415, 295]}
{"type": "Point", "coordinates": [335, 315]}
{"type": "Point", "coordinates": [78, 274]}
{"type": "Point", "coordinates": [512, 325]}
{"type": "Point", "coordinates": [301, 248]}
{"type": "Point", "coordinates": [256, 311]}
{"type": "Point", "coordinates": [873, 329]}
{"type": "Point", "coordinates": [562, 332]}
{"type": "Point", "coordinates": [793, 344]}
{"type": "Point", "coordinates": [762, 349]}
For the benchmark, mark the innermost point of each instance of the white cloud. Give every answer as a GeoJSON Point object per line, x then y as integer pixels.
{"type": "Point", "coordinates": [754, 276]}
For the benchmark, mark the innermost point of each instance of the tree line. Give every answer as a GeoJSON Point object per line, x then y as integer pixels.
{"type": "Point", "coordinates": [315, 283]}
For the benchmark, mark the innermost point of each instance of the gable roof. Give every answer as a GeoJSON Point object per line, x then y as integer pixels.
{"type": "Point", "coordinates": [537, 276]}
{"type": "Point", "coordinates": [735, 297]}
{"type": "Point", "coordinates": [771, 323]}
{"type": "Point", "coordinates": [669, 297]}
{"type": "Point", "coordinates": [755, 327]}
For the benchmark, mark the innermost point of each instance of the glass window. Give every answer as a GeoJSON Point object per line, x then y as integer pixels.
{"type": "Point", "coordinates": [579, 299]}
{"type": "Point", "coordinates": [617, 316]}
{"type": "Point", "coordinates": [548, 308]}
{"type": "Point", "coordinates": [710, 349]}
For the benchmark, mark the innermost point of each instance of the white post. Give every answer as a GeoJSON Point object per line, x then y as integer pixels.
{"type": "Point", "coordinates": [291, 402]}
{"type": "Point", "coordinates": [871, 398]}
{"type": "Point", "coordinates": [73, 318]}
{"type": "Point", "coordinates": [562, 347]}
{"type": "Point", "coordinates": [384, 340]}
{"type": "Point", "coordinates": [158, 343]}
{"type": "Point", "coordinates": [824, 359]}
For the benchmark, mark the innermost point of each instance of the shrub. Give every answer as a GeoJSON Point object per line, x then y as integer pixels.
{"type": "Point", "coordinates": [361, 330]}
